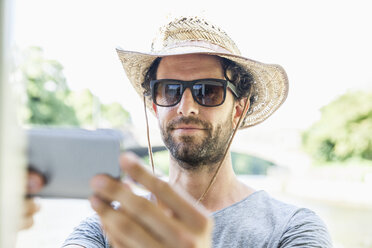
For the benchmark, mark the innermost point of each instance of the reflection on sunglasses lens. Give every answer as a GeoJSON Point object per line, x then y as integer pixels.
{"type": "Point", "coordinates": [209, 94]}
{"type": "Point", "coordinates": [167, 94]}
{"type": "Point", "coordinates": [173, 93]}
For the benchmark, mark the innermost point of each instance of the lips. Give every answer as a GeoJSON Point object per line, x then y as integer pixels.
{"type": "Point", "coordinates": [187, 124]}
{"type": "Point", "coordinates": [188, 127]}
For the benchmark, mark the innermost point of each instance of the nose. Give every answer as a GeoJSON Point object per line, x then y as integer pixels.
{"type": "Point", "coordinates": [187, 106]}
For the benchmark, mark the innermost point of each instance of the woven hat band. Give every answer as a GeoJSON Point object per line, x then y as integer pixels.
{"type": "Point", "coordinates": [196, 44]}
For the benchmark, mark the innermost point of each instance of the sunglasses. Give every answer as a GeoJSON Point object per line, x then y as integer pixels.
{"type": "Point", "coordinates": [209, 92]}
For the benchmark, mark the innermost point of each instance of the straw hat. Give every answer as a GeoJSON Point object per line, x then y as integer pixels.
{"type": "Point", "coordinates": [189, 35]}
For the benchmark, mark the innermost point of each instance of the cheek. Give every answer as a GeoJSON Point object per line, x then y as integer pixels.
{"type": "Point", "coordinates": [164, 115]}
{"type": "Point", "coordinates": [163, 112]}
{"type": "Point", "coordinates": [215, 116]}
{"type": "Point", "coordinates": [230, 104]}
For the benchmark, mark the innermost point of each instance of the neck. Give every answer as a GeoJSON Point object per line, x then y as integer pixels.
{"type": "Point", "coordinates": [225, 191]}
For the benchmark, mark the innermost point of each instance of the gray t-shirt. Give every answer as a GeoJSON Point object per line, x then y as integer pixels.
{"type": "Point", "coordinates": [256, 221]}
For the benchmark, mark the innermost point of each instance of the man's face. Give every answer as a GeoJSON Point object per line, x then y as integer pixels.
{"type": "Point", "coordinates": [195, 135]}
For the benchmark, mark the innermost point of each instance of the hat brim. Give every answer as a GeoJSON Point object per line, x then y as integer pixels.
{"type": "Point", "coordinates": [270, 87]}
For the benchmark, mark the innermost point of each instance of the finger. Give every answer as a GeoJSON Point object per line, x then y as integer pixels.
{"type": "Point", "coordinates": [183, 206]}
{"type": "Point", "coordinates": [26, 222]}
{"type": "Point", "coordinates": [99, 206]}
{"type": "Point", "coordinates": [123, 230]}
{"type": "Point", "coordinates": [146, 213]}
{"type": "Point", "coordinates": [30, 207]}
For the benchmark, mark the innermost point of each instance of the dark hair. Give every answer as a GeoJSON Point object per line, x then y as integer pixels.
{"type": "Point", "coordinates": [150, 74]}
{"type": "Point", "coordinates": [236, 74]}
{"type": "Point", "coordinates": [240, 77]}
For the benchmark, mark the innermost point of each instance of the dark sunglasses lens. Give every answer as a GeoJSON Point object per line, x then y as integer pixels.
{"type": "Point", "coordinates": [167, 93]}
{"type": "Point", "coordinates": [209, 93]}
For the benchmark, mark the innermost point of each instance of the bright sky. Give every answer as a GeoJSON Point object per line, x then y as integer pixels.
{"type": "Point", "coordinates": [325, 46]}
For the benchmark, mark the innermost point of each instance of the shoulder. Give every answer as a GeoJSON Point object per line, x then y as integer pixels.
{"type": "Point", "coordinates": [87, 234]}
{"type": "Point", "coordinates": [300, 226]}
{"type": "Point", "coordinates": [284, 225]}
{"type": "Point", "coordinates": [258, 207]}
{"type": "Point", "coordinates": [307, 229]}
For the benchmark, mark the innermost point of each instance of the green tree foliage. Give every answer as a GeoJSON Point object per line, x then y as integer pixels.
{"type": "Point", "coordinates": [114, 115]}
{"type": "Point", "coordinates": [161, 161]}
{"type": "Point", "coordinates": [83, 104]}
{"type": "Point", "coordinates": [46, 91]}
{"type": "Point", "coordinates": [245, 164]}
{"type": "Point", "coordinates": [51, 102]}
{"type": "Point", "coordinates": [344, 130]}
{"type": "Point", "coordinates": [90, 111]}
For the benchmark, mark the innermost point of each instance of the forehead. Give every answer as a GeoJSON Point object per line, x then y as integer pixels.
{"type": "Point", "coordinates": [190, 67]}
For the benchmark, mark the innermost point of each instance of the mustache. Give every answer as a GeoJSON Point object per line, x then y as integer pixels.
{"type": "Point", "coordinates": [188, 120]}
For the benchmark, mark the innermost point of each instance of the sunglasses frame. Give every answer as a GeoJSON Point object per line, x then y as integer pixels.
{"type": "Point", "coordinates": [189, 84]}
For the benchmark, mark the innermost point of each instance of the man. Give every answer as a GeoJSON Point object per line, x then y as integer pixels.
{"type": "Point", "coordinates": [201, 90]}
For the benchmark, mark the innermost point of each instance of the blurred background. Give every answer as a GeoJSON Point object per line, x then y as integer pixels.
{"type": "Point", "coordinates": [315, 151]}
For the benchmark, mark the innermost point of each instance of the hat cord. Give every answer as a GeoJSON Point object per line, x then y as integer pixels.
{"type": "Point", "coordinates": [148, 137]}
{"type": "Point", "coordinates": [246, 105]}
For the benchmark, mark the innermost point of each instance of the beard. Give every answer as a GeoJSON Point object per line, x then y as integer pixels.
{"type": "Point", "coordinates": [193, 152]}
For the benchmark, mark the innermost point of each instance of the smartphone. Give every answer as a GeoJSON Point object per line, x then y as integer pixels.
{"type": "Point", "coordinates": [67, 158]}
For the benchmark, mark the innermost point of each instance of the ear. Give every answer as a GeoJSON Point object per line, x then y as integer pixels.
{"type": "Point", "coordinates": [239, 108]}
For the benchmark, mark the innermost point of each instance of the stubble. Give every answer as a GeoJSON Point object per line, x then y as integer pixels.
{"type": "Point", "coordinates": [195, 152]}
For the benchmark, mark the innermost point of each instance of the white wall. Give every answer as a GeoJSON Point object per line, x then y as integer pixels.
{"type": "Point", "coordinates": [11, 142]}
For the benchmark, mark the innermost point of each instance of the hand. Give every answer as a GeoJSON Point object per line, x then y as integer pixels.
{"type": "Point", "coordinates": [35, 182]}
{"type": "Point", "coordinates": [175, 221]}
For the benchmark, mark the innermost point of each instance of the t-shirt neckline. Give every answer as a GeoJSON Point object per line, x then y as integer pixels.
{"type": "Point", "coordinates": [238, 203]}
